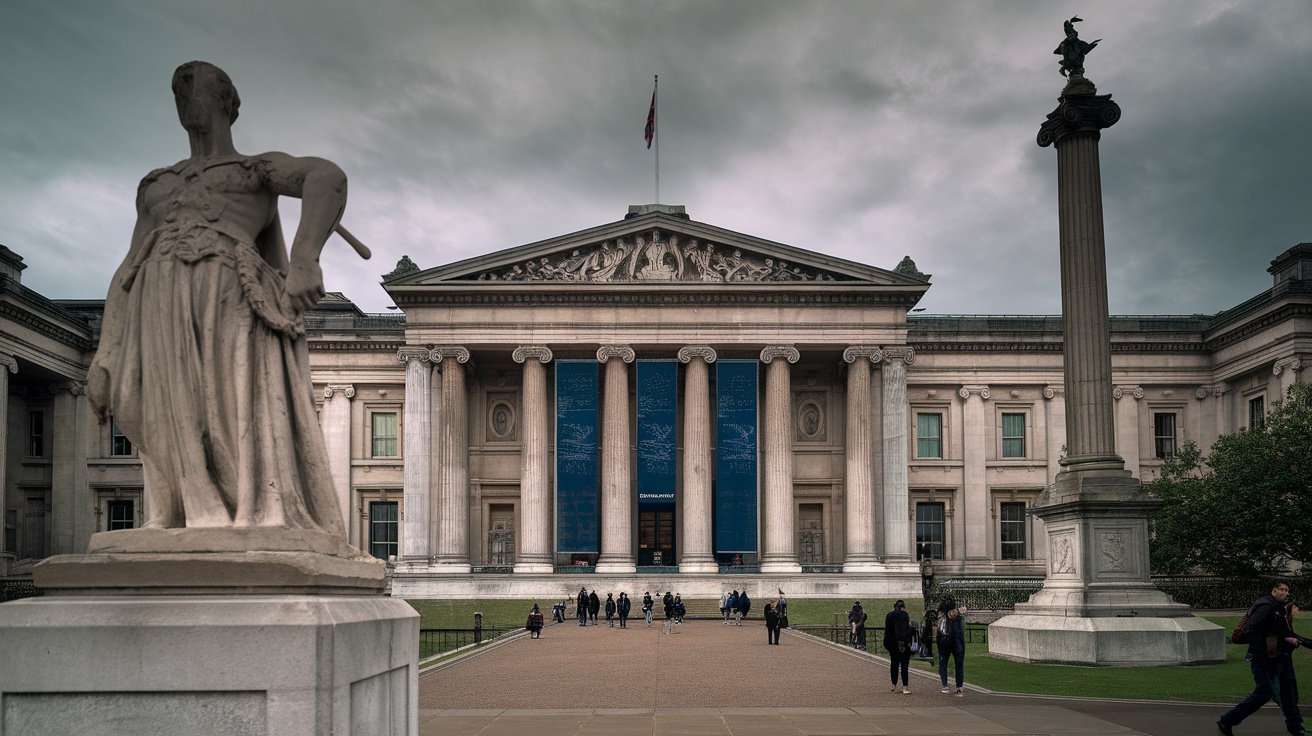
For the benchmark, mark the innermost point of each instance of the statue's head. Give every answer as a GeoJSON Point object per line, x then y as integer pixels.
{"type": "Point", "coordinates": [198, 86]}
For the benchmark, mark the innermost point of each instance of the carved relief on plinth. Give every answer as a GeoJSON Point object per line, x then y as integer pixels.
{"type": "Point", "coordinates": [1117, 551]}
{"type": "Point", "coordinates": [810, 420]}
{"type": "Point", "coordinates": [1062, 559]}
{"type": "Point", "coordinates": [655, 256]}
{"type": "Point", "coordinates": [623, 352]}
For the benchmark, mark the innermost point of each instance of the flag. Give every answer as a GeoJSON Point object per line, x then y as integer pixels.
{"type": "Point", "coordinates": [650, 131]}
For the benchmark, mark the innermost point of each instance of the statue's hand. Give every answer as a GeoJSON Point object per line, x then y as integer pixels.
{"type": "Point", "coordinates": [304, 286]}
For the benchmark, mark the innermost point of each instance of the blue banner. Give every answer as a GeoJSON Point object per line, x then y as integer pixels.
{"type": "Point", "coordinates": [657, 402]}
{"type": "Point", "coordinates": [576, 456]}
{"type": "Point", "coordinates": [735, 457]}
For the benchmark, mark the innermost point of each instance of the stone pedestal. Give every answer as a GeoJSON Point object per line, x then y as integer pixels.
{"type": "Point", "coordinates": [202, 631]}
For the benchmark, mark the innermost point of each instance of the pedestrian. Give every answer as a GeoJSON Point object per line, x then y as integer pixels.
{"type": "Point", "coordinates": [927, 627]}
{"type": "Point", "coordinates": [781, 608]}
{"type": "Point", "coordinates": [744, 607]}
{"type": "Point", "coordinates": [733, 605]}
{"type": "Point", "coordinates": [952, 642]}
{"type": "Point", "coordinates": [647, 604]}
{"type": "Point", "coordinates": [668, 602]}
{"type": "Point", "coordinates": [724, 607]}
{"type": "Point", "coordinates": [594, 607]}
{"type": "Point", "coordinates": [856, 626]}
{"type": "Point", "coordinates": [581, 607]}
{"type": "Point", "coordinates": [1271, 640]}
{"type": "Point", "coordinates": [623, 606]}
{"type": "Point", "coordinates": [897, 642]}
{"type": "Point", "coordinates": [534, 623]}
{"type": "Point", "coordinates": [772, 623]}
{"type": "Point", "coordinates": [679, 609]}
{"type": "Point", "coordinates": [610, 610]}
{"type": "Point", "coordinates": [558, 612]}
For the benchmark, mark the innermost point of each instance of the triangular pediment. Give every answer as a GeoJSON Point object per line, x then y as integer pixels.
{"type": "Point", "coordinates": [655, 249]}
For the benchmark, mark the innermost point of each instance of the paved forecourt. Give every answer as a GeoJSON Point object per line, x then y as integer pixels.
{"type": "Point", "coordinates": [708, 678]}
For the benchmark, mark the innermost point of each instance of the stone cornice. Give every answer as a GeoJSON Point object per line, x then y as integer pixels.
{"type": "Point", "coordinates": [752, 294]}
{"type": "Point", "coordinates": [541, 352]}
{"type": "Point", "coordinates": [1052, 347]}
{"type": "Point", "coordinates": [787, 352]}
{"type": "Point", "coordinates": [705, 352]}
{"type": "Point", "coordinates": [874, 354]}
{"type": "Point", "coordinates": [347, 390]}
{"type": "Point", "coordinates": [1230, 337]}
{"type": "Point", "coordinates": [623, 352]}
{"type": "Point", "coordinates": [14, 313]}
{"type": "Point", "coordinates": [357, 346]}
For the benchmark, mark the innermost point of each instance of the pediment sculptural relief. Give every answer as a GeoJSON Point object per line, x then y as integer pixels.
{"type": "Point", "coordinates": [655, 257]}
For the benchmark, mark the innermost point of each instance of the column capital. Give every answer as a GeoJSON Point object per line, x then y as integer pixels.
{"type": "Point", "coordinates": [1218, 391]}
{"type": "Point", "coordinates": [623, 352]}
{"type": "Point", "coordinates": [787, 352]}
{"type": "Point", "coordinates": [705, 352]}
{"type": "Point", "coordinates": [1078, 114]}
{"type": "Point", "coordinates": [442, 352]}
{"type": "Point", "coordinates": [1293, 363]}
{"type": "Point", "coordinates": [347, 390]}
{"type": "Point", "coordinates": [412, 352]}
{"type": "Point", "coordinates": [8, 361]}
{"type": "Point", "coordinates": [904, 353]}
{"type": "Point", "coordinates": [1135, 392]}
{"type": "Point", "coordinates": [853, 352]}
{"type": "Point", "coordinates": [541, 352]}
{"type": "Point", "coordinates": [983, 391]}
{"type": "Point", "coordinates": [76, 388]}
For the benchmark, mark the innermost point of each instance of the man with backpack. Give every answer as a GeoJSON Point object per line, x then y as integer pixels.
{"type": "Point", "coordinates": [1268, 630]}
{"type": "Point", "coordinates": [897, 641]}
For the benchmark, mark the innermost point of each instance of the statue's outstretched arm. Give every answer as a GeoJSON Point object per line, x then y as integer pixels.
{"type": "Point", "coordinates": [321, 187]}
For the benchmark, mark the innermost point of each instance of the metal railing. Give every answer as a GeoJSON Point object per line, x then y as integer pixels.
{"type": "Point", "coordinates": [841, 634]}
{"type": "Point", "coordinates": [440, 641]}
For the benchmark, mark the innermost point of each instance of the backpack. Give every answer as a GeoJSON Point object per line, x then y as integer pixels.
{"type": "Point", "coordinates": [1240, 634]}
{"type": "Point", "coordinates": [901, 630]}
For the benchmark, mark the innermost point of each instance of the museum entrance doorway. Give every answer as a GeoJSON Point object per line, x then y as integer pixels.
{"type": "Point", "coordinates": [656, 537]}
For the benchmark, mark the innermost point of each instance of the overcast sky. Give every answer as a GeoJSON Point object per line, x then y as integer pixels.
{"type": "Point", "coordinates": [864, 130]}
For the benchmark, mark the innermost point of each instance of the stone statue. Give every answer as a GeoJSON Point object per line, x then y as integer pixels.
{"type": "Point", "coordinates": [202, 360]}
{"type": "Point", "coordinates": [1072, 51]}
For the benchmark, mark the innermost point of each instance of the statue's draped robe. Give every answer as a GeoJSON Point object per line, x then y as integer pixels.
{"type": "Point", "coordinates": [206, 369]}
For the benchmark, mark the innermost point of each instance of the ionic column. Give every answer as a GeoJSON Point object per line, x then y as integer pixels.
{"type": "Point", "coordinates": [897, 498]}
{"type": "Point", "coordinates": [416, 451]}
{"type": "Point", "coordinates": [1127, 425]}
{"type": "Point", "coordinates": [616, 495]}
{"type": "Point", "coordinates": [71, 514]}
{"type": "Point", "coordinates": [974, 456]}
{"type": "Point", "coordinates": [452, 551]}
{"type": "Point", "coordinates": [779, 546]}
{"type": "Point", "coordinates": [335, 422]}
{"type": "Point", "coordinates": [859, 509]}
{"type": "Point", "coordinates": [696, 505]}
{"type": "Point", "coordinates": [534, 494]}
{"type": "Point", "coordinates": [7, 365]}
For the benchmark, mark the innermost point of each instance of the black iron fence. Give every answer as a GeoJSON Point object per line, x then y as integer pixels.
{"type": "Point", "coordinates": [982, 594]}
{"type": "Point", "coordinates": [1206, 592]}
{"type": "Point", "coordinates": [12, 590]}
{"type": "Point", "coordinates": [840, 633]}
{"type": "Point", "coordinates": [440, 641]}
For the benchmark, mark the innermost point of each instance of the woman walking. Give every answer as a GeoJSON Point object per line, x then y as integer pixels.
{"type": "Point", "coordinates": [534, 623]}
{"type": "Point", "coordinates": [897, 642]}
{"type": "Point", "coordinates": [952, 641]}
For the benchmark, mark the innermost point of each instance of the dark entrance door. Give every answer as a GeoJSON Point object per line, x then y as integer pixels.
{"type": "Point", "coordinates": [656, 538]}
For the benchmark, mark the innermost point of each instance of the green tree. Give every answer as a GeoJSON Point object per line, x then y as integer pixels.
{"type": "Point", "coordinates": [1247, 507]}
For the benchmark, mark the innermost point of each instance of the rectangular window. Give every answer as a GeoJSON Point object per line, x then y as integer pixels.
{"type": "Point", "coordinates": [384, 433]}
{"type": "Point", "coordinates": [1164, 435]}
{"type": "Point", "coordinates": [36, 434]}
{"type": "Point", "coordinates": [383, 528]}
{"type": "Point", "coordinates": [119, 445]}
{"type": "Point", "coordinates": [1013, 435]}
{"type": "Point", "coordinates": [929, 531]}
{"type": "Point", "coordinates": [929, 435]}
{"type": "Point", "coordinates": [1012, 531]}
{"type": "Point", "coordinates": [120, 515]}
{"type": "Point", "coordinates": [1256, 412]}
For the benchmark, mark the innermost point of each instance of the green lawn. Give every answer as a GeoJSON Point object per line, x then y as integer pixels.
{"type": "Point", "coordinates": [457, 614]}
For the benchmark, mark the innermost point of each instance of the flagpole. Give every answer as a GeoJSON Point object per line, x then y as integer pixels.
{"type": "Point", "coordinates": [656, 133]}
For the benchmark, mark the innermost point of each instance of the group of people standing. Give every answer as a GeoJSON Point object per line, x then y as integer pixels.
{"type": "Point", "coordinates": [737, 605]}
{"type": "Point", "coordinates": [900, 641]}
{"type": "Point", "coordinates": [587, 606]}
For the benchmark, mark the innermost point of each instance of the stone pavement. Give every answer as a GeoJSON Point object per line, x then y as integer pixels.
{"type": "Point", "coordinates": [708, 678]}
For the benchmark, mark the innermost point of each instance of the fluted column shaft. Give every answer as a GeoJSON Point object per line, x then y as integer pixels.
{"type": "Point", "coordinates": [335, 423]}
{"type": "Point", "coordinates": [1127, 425]}
{"type": "Point", "coordinates": [859, 512]}
{"type": "Point", "coordinates": [7, 365]}
{"type": "Point", "coordinates": [779, 546]}
{"type": "Point", "coordinates": [897, 497]}
{"type": "Point", "coordinates": [616, 493]}
{"type": "Point", "coordinates": [70, 527]}
{"type": "Point", "coordinates": [698, 553]}
{"type": "Point", "coordinates": [416, 451]}
{"type": "Point", "coordinates": [452, 551]}
{"type": "Point", "coordinates": [974, 456]}
{"type": "Point", "coordinates": [535, 511]}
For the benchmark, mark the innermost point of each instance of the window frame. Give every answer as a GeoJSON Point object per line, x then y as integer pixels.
{"type": "Point", "coordinates": [1003, 438]}
{"type": "Point", "coordinates": [1159, 437]}
{"type": "Point", "coordinates": [36, 433]}
{"type": "Point", "coordinates": [1257, 411]}
{"type": "Point", "coordinates": [939, 439]}
{"type": "Point", "coordinates": [115, 435]}
{"type": "Point", "coordinates": [374, 438]}
{"type": "Point", "coordinates": [942, 525]}
{"type": "Point", "coordinates": [1022, 524]}
{"type": "Point", "coordinates": [373, 524]}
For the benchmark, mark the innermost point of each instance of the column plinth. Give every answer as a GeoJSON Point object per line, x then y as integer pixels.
{"type": "Point", "coordinates": [616, 494]}
{"type": "Point", "coordinates": [779, 548]}
{"type": "Point", "coordinates": [698, 547]}
{"type": "Point", "coordinates": [534, 494]}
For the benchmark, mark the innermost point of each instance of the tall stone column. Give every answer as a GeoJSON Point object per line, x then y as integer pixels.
{"type": "Point", "coordinates": [859, 511]}
{"type": "Point", "coordinates": [335, 422]}
{"type": "Point", "coordinates": [975, 491]}
{"type": "Point", "coordinates": [616, 491]}
{"type": "Point", "coordinates": [1287, 370]}
{"type": "Point", "coordinates": [696, 504]}
{"type": "Point", "coordinates": [1098, 605]}
{"type": "Point", "coordinates": [779, 546]}
{"type": "Point", "coordinates": [416, 452]}
{"type": "Point", "coordinates": [1127, 424]}
{"type": "Point", "coordinates": [71, 512]}
{"type": "Point", "coordinates": [897, 497]}
{"type": "Point", "coordinates": [452, 550]}
{"type": "Point", "coordinates": [7, 365]}
{"type": "Point", "coordinates": [535, 553]}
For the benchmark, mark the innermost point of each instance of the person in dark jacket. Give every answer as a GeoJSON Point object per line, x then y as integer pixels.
{"type": "Point", "coordinates": [581, 607]}
{"type": "Point", "coordinates": [647, 605]}
{"type": "Point", "coordinates": [771, 623]}
{"type": "Point", "coordinates": [1271, 642]}
{"type": "Point", "coordinates": [534, 623]}
{"type": "Point", "coordinates": [856, 626]}
{"type": "Point", "coordinates": [952, 642]}
{"type": "Point", "coordinates": [623, 606]}
{"type": "Point", "coordinates": [897, 642]}
{"type": "Point", "coordinates": [744, 606]}
{"type": "Point", "coordinates": [610, 610]}
{"type": "Point", "coordinates": [679, 609]}
{"type": "Point", "coordinates": [668, 601]}
{"type": "Point", "coordinates": [594, 607]}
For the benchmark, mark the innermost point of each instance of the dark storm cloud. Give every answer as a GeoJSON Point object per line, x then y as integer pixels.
{"type": "Point", "coordinates": [865, 130]}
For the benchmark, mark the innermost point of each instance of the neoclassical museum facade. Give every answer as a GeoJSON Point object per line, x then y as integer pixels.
{"type": "Point", "coordinates": [668, 403]}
